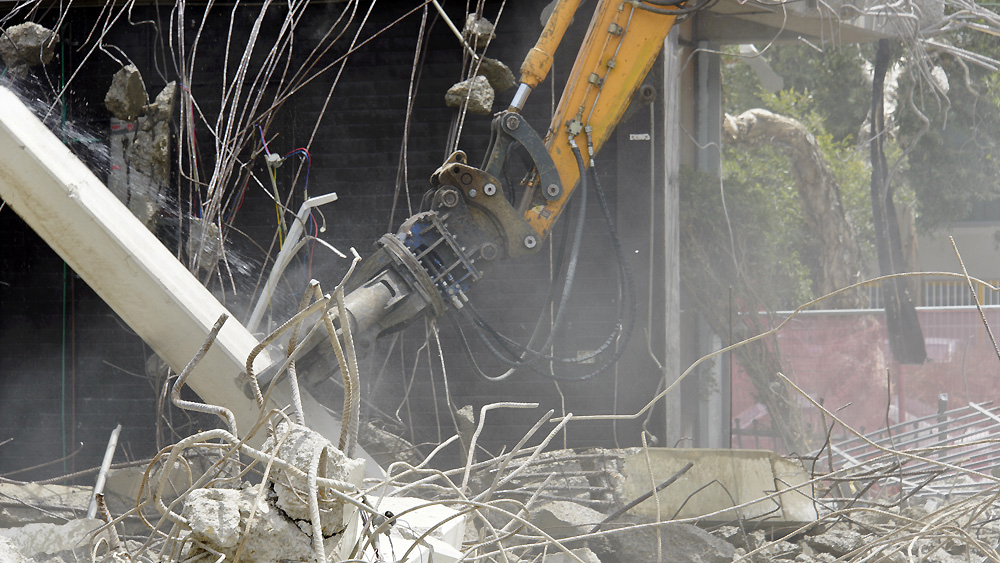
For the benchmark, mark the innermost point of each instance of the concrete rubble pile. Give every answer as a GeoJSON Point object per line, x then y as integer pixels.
{"type": "Point", "coordinates": [308, 502]}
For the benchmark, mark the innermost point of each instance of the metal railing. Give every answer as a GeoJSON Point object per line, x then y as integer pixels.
{"type": "Point", "coordinates": [943, 293]}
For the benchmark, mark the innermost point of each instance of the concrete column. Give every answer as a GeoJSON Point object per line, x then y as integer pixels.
{"type": "Point", "coordinates": [713, 418]}
{"type": "Point", "coordinates": [671, 233]}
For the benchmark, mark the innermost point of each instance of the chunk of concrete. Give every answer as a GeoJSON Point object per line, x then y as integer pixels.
{"type": "Point", "coordinates": [220, 519]}
{"type": "Point", "coordinates": [476, 90]}
{"type": "Point", "coordinates": [499, 75]}
{"type": "Point", "coordinates": [149, 152]}
{"type": "Point", "coordinates": [300, 446]}
{"type": "Point", "coordinates": [162, 108]}
{"type": "Point", "coordinates": [39, 541]}
{"type": "Point", "coordinates": [773, 550]}
{"type": "Point", "coordinates": [563, 519]}
{"type": "Point", "coordinates": [731, 534]}
{"type": "Point", "coordinates": [478, 31]}
{"type": "Point", "coordinates": [205, 243]}
{"type": "Point", "coordinates": [214, 514]}
{"type": "Point", "coordinates": [141, 159]}
{"type": "Point", "coordinates": [826, 558]}
{"type": "Point", "coordinates": [837, 541]}
{"type": "Point", "coordinates": [25, 45]}
{"type": "Point", "coordinates": [126, 98]}
{"type": "Point", "coordinates": [9, 553]}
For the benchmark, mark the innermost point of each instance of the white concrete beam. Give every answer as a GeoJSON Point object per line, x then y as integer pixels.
{"type": "Point", "coordinates": [72, 210]}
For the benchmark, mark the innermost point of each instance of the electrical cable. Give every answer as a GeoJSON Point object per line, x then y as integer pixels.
{"type": "Point", "coordinates": [626, 330]}
{"type": "Point", "coordinates": [304, 152]}
{"type": "Point", "coordinates": [557, 267]}
{"type": "Point", "coordinates": [567, 281]}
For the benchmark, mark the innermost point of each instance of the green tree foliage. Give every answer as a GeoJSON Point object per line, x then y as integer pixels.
{"type": "Point", "coordinates": [834, 81]}
{"type": "Point", "coordinates": [944, 148]}
{"type": "Point", "coordinates": [952, 138]}
{"type": "Point", "coordinates": [763, 176]}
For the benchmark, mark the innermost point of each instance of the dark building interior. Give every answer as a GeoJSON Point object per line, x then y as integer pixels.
{"type": "Point", "coordinates": [70, 369]}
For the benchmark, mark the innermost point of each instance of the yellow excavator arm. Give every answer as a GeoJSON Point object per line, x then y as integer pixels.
{"type": "Point", "coordinates": [467, 219]}
{"type": "Point", "coordinates": [623, 40]}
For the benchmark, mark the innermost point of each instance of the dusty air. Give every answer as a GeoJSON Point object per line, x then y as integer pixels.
{"type": "Point", "coordinates": [591, 281]}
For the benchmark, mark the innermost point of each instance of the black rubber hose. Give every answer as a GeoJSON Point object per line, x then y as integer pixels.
{"type": "Point", "coordinates": [625, 276]}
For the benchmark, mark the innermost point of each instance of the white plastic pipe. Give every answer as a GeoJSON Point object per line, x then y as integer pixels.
{"type": "Point", "coordinates": [288, 250]}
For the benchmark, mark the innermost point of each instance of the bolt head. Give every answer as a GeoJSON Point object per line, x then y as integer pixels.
{"type": "Point", "coordinates": [449, 198]}
{"type": "Point", "coordinates": [472, 192]}
{"type": "Point", "coordinates": [552, 190]}
{"type": "Point", "coordinates": [489, 251]}
{"type": "Point", "coordinates": [489, 189]}
{"type": "Point", "coordinates": [512, 122]}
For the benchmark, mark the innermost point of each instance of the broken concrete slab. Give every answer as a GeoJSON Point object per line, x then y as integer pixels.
{"type": "Point", "coordinates": [126, 98]}
{"type": "Point", "coordinates": [476, 90]}
{"type": "Point", "coordinates": [26, 45]}
{"type": "Point", "coordinates": [39, 541]}
{"type": "Point", "coordinates": [29, 503]}
{"type": "Point", "coordinates": [739, 477]}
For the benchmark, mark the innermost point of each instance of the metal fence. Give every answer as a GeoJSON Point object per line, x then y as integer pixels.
{"type": "Point", "coordinates": [942, 293]}
{"type": "Point", "coordinates": [843, 359]}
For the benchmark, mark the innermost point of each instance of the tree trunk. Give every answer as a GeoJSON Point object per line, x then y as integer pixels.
{"type": "Point", "coordinates": [906, 339]}
{"type": "Point", "coordinates": [836, 247]}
